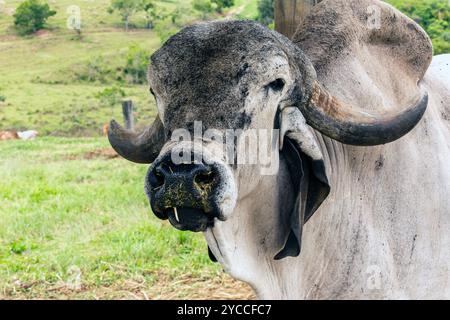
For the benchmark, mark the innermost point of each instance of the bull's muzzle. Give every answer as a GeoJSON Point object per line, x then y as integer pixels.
{"type": "Point", "coordinates": [184, 193]}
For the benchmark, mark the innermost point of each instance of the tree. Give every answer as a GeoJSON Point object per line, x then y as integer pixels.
{"type": "Point", "coordinates": [203, 6]}
{"type": "Point", "coordinates": [31, 16]}
{"type": "Point", "coordinates": [433, 16]}
{"type": "Point", "coordinates": [152, 12]}
{"type": "Point", "coordinates": [136, 65]}
{"type": "Point", "coordinates": [208, 6]}
{"type": "Point", "coordinates": [126, 9]}
{"type": "Point", "coordinates": [221, 4]}
{"type": "Point", "coordinates": [109, 97]}
{"type": "Point", "coordinates": [265, 11]}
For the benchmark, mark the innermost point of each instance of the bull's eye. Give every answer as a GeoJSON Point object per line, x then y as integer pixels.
{"type": "Point", "coordinates": [276, 85]}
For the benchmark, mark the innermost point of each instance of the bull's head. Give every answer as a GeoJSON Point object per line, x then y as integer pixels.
{"type": "Point", "coordinates": [240, 75]}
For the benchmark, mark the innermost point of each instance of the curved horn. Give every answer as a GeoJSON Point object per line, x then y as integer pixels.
{"type": "Point", "coordinates": [141, 147]}
{"type": "Point", "coordinates": [341, 122]}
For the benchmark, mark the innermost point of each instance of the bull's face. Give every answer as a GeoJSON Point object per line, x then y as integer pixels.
{"type": "Point", "coordinates": [212, 89]}
{"type": "Point", "coordinates": [215, 83]}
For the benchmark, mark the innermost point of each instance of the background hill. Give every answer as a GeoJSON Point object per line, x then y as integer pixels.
{"type": "Point", "coordinates": [55, 83]}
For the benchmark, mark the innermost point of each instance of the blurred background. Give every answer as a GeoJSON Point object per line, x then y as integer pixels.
{"type": "Point", "coordinates": [74, 220]}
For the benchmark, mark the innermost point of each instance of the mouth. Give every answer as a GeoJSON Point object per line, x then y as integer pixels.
{"type": "Point", "coordinates": [189, 219]}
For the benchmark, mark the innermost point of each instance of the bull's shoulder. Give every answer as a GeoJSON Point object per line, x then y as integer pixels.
{"type": "Point", "coordinates": [437, 82]}
{"type": "Point", "coordinates": [440, 70]}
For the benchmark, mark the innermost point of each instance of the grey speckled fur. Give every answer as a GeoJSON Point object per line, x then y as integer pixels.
{"type": "Point", "coordinates": [208, 69]}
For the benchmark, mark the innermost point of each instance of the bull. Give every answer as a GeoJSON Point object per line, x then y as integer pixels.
{"type": "Point", "coordinates": [359, 203]}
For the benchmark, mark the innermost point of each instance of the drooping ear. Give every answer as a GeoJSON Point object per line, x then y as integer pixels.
{"type": "Point", "coordinates": [370, 60]}
{"type": "Point", "coordinates": [344, 35]}
{"type": "Point", "coordinates": [308, 175]}
{"type": "Point", "coordinates": [379, 109]}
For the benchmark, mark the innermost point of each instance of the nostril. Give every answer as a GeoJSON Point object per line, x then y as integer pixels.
{"type": "Point", "coordinates": [204, 178]}
{"type": "Point", "coordinates": [156, 179]}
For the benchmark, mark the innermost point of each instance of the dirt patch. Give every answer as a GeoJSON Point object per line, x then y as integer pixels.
{"type": "Point", "coordinates": [6, 10]}
{"type": "Point", "coordinates": [42, 34]}
{"type": "Point", "coordinates": [8, 135]}
{"type": "Point", "coordinates": [103, 153]}
{"type": "Point", "coordinates": [7, 38]}
{"type": "Point", "coordinates": [106, 153]}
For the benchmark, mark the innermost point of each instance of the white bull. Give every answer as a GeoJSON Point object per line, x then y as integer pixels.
{"type": "Point", "coordinates": [339, 95]}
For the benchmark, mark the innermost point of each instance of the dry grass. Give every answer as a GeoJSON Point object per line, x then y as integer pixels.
{"type": "Point", "coordinates": [221, 287]}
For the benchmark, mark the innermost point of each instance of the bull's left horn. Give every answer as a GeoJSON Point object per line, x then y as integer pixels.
{"type": "Point", "coordinates": [141, 147]}
{"type": "Point", "coordinates": [353, 126]}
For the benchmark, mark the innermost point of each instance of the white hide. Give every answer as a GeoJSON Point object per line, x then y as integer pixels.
{"type": "Point", "coordinates": [384, 231]}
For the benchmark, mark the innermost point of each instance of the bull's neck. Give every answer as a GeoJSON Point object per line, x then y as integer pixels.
{"type": "Point", "coordinates": [254, 220]}
{"type": "Point", "coordinates": [335, 157]}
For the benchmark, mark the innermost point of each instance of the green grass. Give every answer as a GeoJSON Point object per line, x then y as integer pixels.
{"type": "Point", "coordinates": [61, 212]}
{"type": "Point", "coordinates": [248, 9]}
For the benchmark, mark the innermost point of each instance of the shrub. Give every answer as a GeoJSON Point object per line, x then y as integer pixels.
{"type": "Point", "coordinates": [433, 16]}
{"type": "Point", "coordinates": [95, 70]}
{"type": "Point", "coordinates": [2, 98]}
{"type": "Point", "coordinates": [131, 68]}
{"type": "Point", "coordinates": [221, 4]}
{"type": "Point", "coordinates": [109, 97]}
{"type": "Point", "coordinates": [172, 22]}
{"type": "Point", "coordinates": [126, 9]}
{"type": "Point", "coordinates": [152, 12]}
{"type": "Point", "coordinates": [165, 29]}
{"type": "Point", "coordinates": [31, 16]}
{"type": "Point", "coordinates": [265, 11]}
{"type": "Point", "coordinates": [205, 7]}
{"type": "Point", "coordinates": [136, 65]}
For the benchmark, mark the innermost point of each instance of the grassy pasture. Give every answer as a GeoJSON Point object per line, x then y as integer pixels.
{"type": "Point", "coordinates": [76, 224]}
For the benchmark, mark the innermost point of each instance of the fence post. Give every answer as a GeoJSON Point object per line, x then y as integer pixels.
{"type": "Point", "coordinates": [289, 14]}
{"type": "Point", "coordinates": [127, 110]}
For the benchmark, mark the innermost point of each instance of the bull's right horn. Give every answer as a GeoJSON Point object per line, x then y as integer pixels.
{"type": "Point", "coordinates": [137, 147]}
